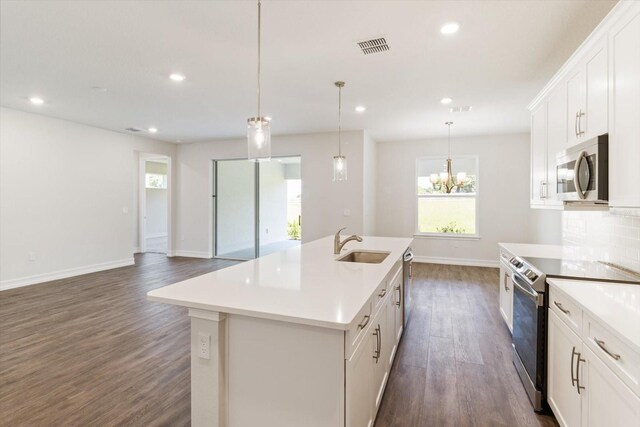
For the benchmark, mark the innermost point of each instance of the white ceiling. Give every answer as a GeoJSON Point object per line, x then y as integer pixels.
{"type": "Point", "coordinates": [503, 54]}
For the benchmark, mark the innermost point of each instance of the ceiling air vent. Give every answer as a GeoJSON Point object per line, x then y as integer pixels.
{"type": "Point", "coordinates": [374, 45]}
{"type": "Point", "coordinates": [133, 129]}
{"type": "Point", "coordinates": [463, 109]}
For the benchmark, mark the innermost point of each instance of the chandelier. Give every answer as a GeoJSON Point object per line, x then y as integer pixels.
{"type": "Point", "coordinates": [445, 179]}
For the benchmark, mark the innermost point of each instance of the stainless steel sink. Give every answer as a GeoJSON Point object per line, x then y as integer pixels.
{"type": "Point", "coordinates": [368, 257]}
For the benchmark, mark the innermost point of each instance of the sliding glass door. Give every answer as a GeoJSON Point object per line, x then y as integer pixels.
{"type": "Point", "coordinates": [257, 207]}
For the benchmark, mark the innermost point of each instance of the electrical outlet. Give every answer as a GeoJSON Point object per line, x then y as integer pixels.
{"type": "Point", "coordinates": [32, 256]}
{"type": "Point", "coordinates": [204, 345]}
{"type": "Point", "coordinates": [347, 212]}
{"type": "Point", "coordinates": [125, 210]}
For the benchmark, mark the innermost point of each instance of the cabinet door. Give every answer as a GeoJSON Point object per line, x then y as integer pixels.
{"type": "Point", "coordinates": [538, 154]}
{"type": "Point", "coordinates": [381, 363]}
{"type": "Point", "coordinates": [575, 107]}
{"type": "Point", "coordinates": [359, 384]}
{"type": "Point", "coordinates": [597, 83]}
{"type": "Point", "coordinates": [506, 296]}
{"type": "Point", "coordinates": [624, 110]}
{"type": "Point", "coordinates": [607, 400]}
{"type": "Point", "coordinates": [562, 393]}
{"type": "Point", "coordinates": [556, 139]}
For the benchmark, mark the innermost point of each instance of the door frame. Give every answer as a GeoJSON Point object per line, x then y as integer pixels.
{"type": "Point", "coordinates": [143, 157]}
{"type": "Point", "coordinates": [213, 208]}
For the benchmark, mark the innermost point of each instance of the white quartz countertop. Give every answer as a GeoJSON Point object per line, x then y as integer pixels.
{"type": "Point", "coordinates": [616, 305]}
{"type": "Point", "coordinates": [304, 284]}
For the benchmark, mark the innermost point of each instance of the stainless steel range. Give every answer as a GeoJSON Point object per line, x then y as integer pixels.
{"type": "Point", "coordinates": [529, 329]}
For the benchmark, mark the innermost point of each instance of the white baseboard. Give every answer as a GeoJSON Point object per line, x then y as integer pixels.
{"type": "Point", "coordinates": [137, 250]}
{"type": "Point", "coordinates": [190, 254]}
{"type": "Point", "coordinates": [457, 261]}
{"type": "Point", "coordinates": [63, 274]}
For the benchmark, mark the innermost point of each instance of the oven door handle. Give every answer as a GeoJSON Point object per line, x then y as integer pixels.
{"type": "Point", "coordinates": [526, 289]}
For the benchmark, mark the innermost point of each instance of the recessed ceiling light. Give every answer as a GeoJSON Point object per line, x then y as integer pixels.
{"type": "Point", "coordinates": [177, 77]}
{"type": "Point", "coordinates": [361, 109]}
{"type": "Point", "coordinates": [446, 100]}
{"type": "Point", "coordinates": [99, 89]}
{"type": "Point", "coordinates": [450, 28]}
{"type": "Point", "coordinates": [35, 100]}
{"type": "Point", "coordinates": [152, 130]}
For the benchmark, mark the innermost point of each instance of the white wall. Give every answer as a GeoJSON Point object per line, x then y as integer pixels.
{"type": "Point", "coordinates": [503, 200]}
{"type": "Point", "coordinates": [273, 203]}
{"type": "Point", "coordinates": [63, 187]}
{"type": "Point", "coordinates": [324, 201]}
{"type": "Point", "coordinates": [156, 203]}
{"type": "Point", "coordinates": [369, 185]}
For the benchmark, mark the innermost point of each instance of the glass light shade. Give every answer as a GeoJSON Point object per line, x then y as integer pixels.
{"type": "Point", "coordinates": [339, 168]}
{"type": "Point", "coordinates": [434, 178]}
{"type": "Point", "coordinates": [461, 177]}
{"type": "Point", "coordinates": [259, 139]}
{"type": "Point", "coordinates": [444, 177]}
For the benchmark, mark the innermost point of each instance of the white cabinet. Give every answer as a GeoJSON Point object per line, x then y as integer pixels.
{"type": "Point", "coordinates": [624, 109]}
{"type": "Point", "coordinates": [369, 365]}
{"type": "Point", "coordinates": [506, 295]}
{"type": "Point", "coordinates": [538, 155]}
{"type": "Point", "coordinates": [562, 394]}
{"type": "Point", "coordinates": [359, 384]}
{"type": "Point", "coordinates": [607, 401]}
{"type": "Point", "coordinates": [583, 390]}
{"type": "Point", "coordinates": [597, 91]}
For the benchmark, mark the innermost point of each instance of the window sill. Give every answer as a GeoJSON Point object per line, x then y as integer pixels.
{"type": "Point", "coordinates": [446, 236]}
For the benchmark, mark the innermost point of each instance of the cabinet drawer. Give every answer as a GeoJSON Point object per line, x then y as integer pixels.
{"type": "Point", "coordinates": [566, 309]}
{"type": "Point", "coordinates": [616, 354]}
{"type": "Point", "coordinates": [380, 294]}
{"type": "Point", "coordinates": [357, 329]}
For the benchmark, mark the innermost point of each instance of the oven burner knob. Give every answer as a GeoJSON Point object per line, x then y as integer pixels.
{"type": "Point", "coordinates": [531, 275]}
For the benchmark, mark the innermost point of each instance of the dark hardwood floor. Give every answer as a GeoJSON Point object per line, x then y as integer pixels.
{"type": "Point", "coordinates": [92, 351]}
{"type": "Point", "coordinates": [453, 366]}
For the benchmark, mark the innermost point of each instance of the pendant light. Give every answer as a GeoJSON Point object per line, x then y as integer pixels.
{"type": "Point", "coordinates": [339, 161]}
{"type": "Point", "coordinates": [259, 128]}
{"type": "Point", "coordinates": [445, 179]}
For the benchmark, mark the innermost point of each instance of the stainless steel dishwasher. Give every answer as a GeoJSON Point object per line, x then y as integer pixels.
{"type": "Point", "coordinates": [407, 284]}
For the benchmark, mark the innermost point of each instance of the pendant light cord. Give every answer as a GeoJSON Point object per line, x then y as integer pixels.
{"type": "Point", "coordinates": [258, 78]}
{"type": "Point", "coordinates": [340, 121]}
{"type": "Point", "coordinates": [449, 138]}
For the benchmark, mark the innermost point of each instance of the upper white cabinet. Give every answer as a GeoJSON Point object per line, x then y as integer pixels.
{"type": "Point", "coordinates": [624, 108]}
{"type": "Point", "coordinates": [597, 91]}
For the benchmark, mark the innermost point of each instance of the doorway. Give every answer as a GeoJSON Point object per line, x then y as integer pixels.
{"type": "Point", "coordinates": [257, 207]}
{"type": "Point", "coordinates": [154, 203]}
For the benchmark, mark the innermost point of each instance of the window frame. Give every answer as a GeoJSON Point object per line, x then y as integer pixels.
{"type": "Point", "coordinates": [436, 235]}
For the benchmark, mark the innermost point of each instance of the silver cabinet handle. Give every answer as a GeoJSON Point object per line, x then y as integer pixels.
{"type": "Point", "coordinates": [580, 131]}
{"type": "Point", "coordinates": [561, 308]}
{"type": "Point", "coordinates": [573, 354]}
{"type": "Point", "coordinates": [580, 359]}
{"type": "Point", "coordinates": [383, 293]}
{"type": "Point", "coordinates": [601, 343]}
{"type": "Point", "coordinates": [365, 321]}
{"type": "Point", "coordinates": [575, 125]}
{"type": "Point", "coordinates": [399, 295]}
{"type": "Point", "coordinates": [506, 288]}
{"type": "Point", "coordinates": [376, 353]}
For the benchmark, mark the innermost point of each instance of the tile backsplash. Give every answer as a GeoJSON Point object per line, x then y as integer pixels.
{"type": "Point", "coordinates": [612, 237]}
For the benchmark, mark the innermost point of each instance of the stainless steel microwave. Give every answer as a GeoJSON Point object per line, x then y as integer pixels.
{"type": "Point", "coordinates": [583, 172]}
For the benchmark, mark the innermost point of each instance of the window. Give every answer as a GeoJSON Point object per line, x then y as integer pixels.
{"type": "Point", "coordinates": [447, 214]}
{"type": "Point", "coordinates": [155, 180]}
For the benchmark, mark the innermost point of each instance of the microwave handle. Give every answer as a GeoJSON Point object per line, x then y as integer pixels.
{"type": "Point", "coordinates": [576, 177]}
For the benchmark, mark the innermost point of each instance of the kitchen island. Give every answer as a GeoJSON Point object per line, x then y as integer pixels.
{"type": "Point", "coordinates": [295, 338]}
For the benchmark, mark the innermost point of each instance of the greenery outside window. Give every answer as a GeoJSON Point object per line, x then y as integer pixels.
{"type": "Point", "coordinates": [439, 213]}
{"type": "Point", "coordinates": [155, 180]}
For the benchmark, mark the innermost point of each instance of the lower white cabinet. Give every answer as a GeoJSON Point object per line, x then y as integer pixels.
{"type": "Point", "coordinates": [563, 347]}
{"type": "Point", "coordinates": [506, 295]}
{"type": "Point", "coordinates": [582, 390]}
{"type": "Point", "coordinates": [368, 368]}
